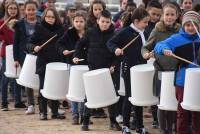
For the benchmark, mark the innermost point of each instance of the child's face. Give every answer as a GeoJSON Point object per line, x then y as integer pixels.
{"type": "Point", "coordinates": [187, 5]}
{"type": "Point", "coordinates": [155, 14]}
{"type": "Point", "coordinates": [169, 16]}
{"type": "Point", "coordinates": [79, 23]}
{"type": "Point", "coordinates": [71, 13]}
{"type": "Point", "coordinates": [50, 17]}
{"type": "Point", "coordinates": [30, 11]}
{"type": "Point", "coordinates": [22, 10]}
{"type": "Point", "coordinates": [12, 10]}
{"type": "Point", "coordinates": [130, 9]}
{"type": "Point", "coordinates": [142, 24]}
{"type": "Point", "coordinates": [123, 4]}
{"type": "Point", "coordinates": [97, 8]}
{"type": "Point", "coordinates": [189, 28]}
{"type": "Point", "coordinates": [104, 23]}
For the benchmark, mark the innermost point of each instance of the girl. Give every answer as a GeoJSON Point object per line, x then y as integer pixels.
{"type": "Point", "coordinates": [186, 45]}
{"type": "Point", "coordinates": [6, 35]}
{"type": "Point", "coordinates": [131, 57]}
{"type": "Point", "coordinates": [163, 29]}
{"type": "Point", "coordinates": [50, 25]}
{"type": "Point", "coordinates": [3, 6]}
{"type": "Point", "coordinates": [95, 9]}
{"type": "Point", "coordinates": [65, 46]}
{"type": "Point", "coordinates": [23, 31]}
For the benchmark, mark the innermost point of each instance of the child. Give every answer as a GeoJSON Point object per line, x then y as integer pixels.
{"type": "Point", "coordinates": [154, 9]}
{"type": "Point", "coordinates": [23, 31]}
{"type": "Point", "coordinates": [6, 35]}
{"type": "Point", "coordinates": [186, 5]}
{"type": "Point", "coordinates": [163, 29]}
{"type": "Point", "coordinates": [50, 26]}
{"type": "Point", "coordinates": [131, 57]}
{"type": "Point", "coordinates": [98, 57]}
{"type": "Point", "coordinates": [184, 44]}
{"type": "Point", "coordinates": [66, 45]}
{"type": "Point", "coordinates": [95, 9]}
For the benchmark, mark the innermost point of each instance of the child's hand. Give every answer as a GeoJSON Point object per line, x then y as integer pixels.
{"type": "Point", "coordinates": [112, 69]}
{"type": "Point", "coordinates": [67, 52]}
{"type": "Point", "coordinates": [167, 52]}
{"type": "Point", "coordinates": [16, 64]}
{"type": "Point", "coordinates": [37, 49]}
{"type": "Point", "coordinates": [119, 52]}
{"type": "Point", "coordinates": [76, 60]}
{"type": "Point", "coordinates": [148, 55]}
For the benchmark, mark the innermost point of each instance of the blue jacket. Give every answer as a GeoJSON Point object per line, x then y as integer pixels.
{"type": "Point", "coordinates": [184, 45]}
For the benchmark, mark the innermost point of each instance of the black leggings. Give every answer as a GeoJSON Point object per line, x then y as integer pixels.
{"type": "Point", "coordinates": [53, 104]}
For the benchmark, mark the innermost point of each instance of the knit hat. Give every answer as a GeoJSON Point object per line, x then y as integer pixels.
{"type": "Point", "coordinates": [191, 15]}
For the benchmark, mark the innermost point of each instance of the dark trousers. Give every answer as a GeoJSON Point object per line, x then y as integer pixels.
{"type": "Point", "coordinates": [54, 104]}
{"type": "Point", "coordinates": [183, 121]}
{"type": "Point", "coordinates": [111, 109]}
{"type": "Point", "coordinates": [127, 104]}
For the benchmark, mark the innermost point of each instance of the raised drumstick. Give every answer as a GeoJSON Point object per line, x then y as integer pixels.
{"type": "Point", "coordinates": [130, 43]}
{"type": "Point", "coordinates": [5, 22]}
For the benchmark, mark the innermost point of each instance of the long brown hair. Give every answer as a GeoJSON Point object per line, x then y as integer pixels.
{"type": "Point", "coordinates": [6, 10]}
{"type": "Point", "coordinates": [57, 18]}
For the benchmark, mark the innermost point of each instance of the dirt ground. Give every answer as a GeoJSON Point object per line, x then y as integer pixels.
{"type": "Point", "coordinates": [16, 122]}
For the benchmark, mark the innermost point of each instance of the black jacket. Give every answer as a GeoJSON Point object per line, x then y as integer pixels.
{"type": "Point", "coordinates": [48, 53]}
{"type": "Point", "coordinates": [20, 41]}
{"type": "Point", "coordinates": [132, 54]}
{"type": "Point", "coordinates": [68, 42]}
{"type": "Point", "coordinates": [98, 55]}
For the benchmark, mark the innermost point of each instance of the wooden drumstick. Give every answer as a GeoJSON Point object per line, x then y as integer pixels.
{"type": "Point", "coordinates": [80, 59]}
{"type": "Point", "coordinates": [48, 41]}
{"type": "Point", "coordinates": [5, 22]}
{"type": "Point", "coordinates": [195, 28]}
{"type": "Point", "coordinates": [130, 43]}
{"type": "Point", "coordinates": [187, 61]}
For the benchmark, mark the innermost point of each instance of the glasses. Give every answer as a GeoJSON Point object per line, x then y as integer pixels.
{"type": "Point", "coordinates": [12, 8]}
{"type": "Point", "coordinates": [52, 17]}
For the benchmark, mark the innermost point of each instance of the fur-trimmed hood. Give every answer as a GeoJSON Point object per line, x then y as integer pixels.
{"type": "Point", "coordinates": [161, 27]}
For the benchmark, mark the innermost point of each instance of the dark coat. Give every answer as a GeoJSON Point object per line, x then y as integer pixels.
{"type": "Point", "coordinates": [48, 53]}
{"type": "Point", "coordinates": [68, 42]}
{"type": "Point", "coordinates": [98, 55]}
{"type": "Point", "coordinates": [132, 55]}
{"type": "Point", "coordinates": [20, 41]}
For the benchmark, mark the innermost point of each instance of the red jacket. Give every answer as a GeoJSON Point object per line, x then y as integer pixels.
{"type": "Point", "coordinates": [7, 36]}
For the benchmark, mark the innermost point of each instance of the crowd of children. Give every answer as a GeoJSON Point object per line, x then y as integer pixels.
{"type": "Point", "coordinates": [160, 29]}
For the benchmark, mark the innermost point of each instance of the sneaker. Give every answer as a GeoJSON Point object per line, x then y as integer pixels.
{"type": "Point", "coordinates": [30, 110]}
{"type": "Point", "coordinates": [84, 128]}
{"type": "Point", "coordinates": [43, 116]}
{"type": "Point", "coordinates": [58, 116]}
{"type": "Point", "coordinates": [4, 108]}
{"type": "Point", "coordinates": [155, 124]}
{"type": "Point", "coordinates": [126, 130]}
{"type": "Point", "coordinates": [119, 118]}
{"type": "Point", "coordinates": [142, 131]}
{"type": "Point", "coordinates": [115, 127]}
{"type": "Point", "coordinates": [20, 105]}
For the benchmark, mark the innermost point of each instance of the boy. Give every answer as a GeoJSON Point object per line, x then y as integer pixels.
{"type": "Point", "coordinates": [98, 57]}
{"type": "Point", "coordinates": [154, 8]}
{"type": "Point", "coordinates": [184, 44]}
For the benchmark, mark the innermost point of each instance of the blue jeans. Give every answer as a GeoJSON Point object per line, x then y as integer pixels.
{"type": "Point", "coordinates": [75, 108]}
{"type": "Point", "coordinates": [4, 87]}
